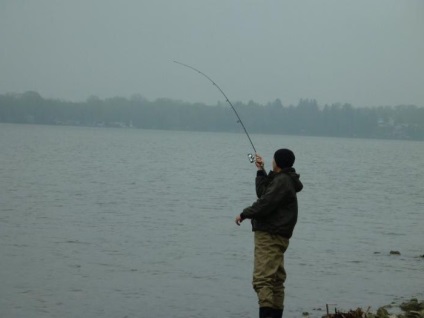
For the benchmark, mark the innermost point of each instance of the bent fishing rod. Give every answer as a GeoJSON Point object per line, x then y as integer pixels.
{"type": "Point", "coordinates": [250, 156]}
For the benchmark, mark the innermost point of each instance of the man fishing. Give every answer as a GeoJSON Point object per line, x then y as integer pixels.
{"type": "Point", "coordinates": [273, 217]}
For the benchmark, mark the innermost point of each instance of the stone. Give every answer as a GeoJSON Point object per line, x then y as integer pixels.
{"type": "Point", "coordinates": [382, 313]}
{"type": "Point", "coordinates": [414, 314]}
{"type": "Point", "coordinates": [411, 305]}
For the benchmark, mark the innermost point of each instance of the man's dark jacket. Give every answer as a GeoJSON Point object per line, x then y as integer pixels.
{"type": "Point", "coordinates": [275, 211]}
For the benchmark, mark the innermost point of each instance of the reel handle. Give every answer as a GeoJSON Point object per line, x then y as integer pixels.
{"type": "Point", "coordinates": [252, 159]}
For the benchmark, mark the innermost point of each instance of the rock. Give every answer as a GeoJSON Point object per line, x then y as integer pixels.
{"type": "Point", "coordinates": [394, 253]}
{"type": "Point", "coordinates": [412, 305]}
{"type": "Point", "coordinates": [415, 314]}
{"type": "Point", "coordinates": [382, 313]}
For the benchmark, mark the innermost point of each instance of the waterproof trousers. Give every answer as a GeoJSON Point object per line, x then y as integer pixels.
{"type": "Point", "coordinates": [268, 272]}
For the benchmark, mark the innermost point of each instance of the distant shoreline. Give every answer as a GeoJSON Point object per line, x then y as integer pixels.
{"type": "Point", "coordinates": [307, 118]}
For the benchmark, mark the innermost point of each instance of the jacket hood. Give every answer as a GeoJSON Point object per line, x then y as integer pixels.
{"type": "Point", "coordinates": [298, 185]}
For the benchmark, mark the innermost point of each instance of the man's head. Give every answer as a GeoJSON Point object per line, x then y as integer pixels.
{"type": "Point", "coordinates": [283, 158]}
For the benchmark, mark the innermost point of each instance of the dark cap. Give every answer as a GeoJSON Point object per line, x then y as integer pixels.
{"type": "Point", "coordinates": [284, 158]}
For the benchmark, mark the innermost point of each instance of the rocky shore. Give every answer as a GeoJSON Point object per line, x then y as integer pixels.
{"type": "Point", "coordinates": [413, 308]}
{"type": "Point", "coordinates": [408, 309]}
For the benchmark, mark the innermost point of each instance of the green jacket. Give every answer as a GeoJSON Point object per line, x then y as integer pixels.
{"type": "Point", "coordinates": [275, 211]}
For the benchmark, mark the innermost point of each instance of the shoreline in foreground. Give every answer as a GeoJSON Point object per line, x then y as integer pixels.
{"type": "Point", "coordinates": [413, 308]}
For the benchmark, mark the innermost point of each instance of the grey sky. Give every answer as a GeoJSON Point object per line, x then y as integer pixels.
{"type": "Point", "coordinates": [365, 52]}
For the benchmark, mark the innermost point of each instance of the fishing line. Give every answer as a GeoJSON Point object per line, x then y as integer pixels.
{"type": "Point", "coordinates": [251, 156]}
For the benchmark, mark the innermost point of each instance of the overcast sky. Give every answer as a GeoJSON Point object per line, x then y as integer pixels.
{"type": "Point", "coordinates": [364, 52]}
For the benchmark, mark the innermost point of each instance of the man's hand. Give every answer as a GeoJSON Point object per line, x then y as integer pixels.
{"type": "Point", "coordinates": [238, 220]}
{"type": "Point", "coordinates": [259, 162]}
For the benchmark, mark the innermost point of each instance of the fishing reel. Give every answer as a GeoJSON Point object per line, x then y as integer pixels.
{"type": "Point", "coordinates": [251, 157]}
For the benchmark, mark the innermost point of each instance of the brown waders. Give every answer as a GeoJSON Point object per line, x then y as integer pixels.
{"type": "Point", "coordinates": [269, 274]}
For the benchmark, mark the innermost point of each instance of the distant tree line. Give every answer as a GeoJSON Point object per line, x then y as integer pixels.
{"type": "Point", "coordinates": [305, 118]}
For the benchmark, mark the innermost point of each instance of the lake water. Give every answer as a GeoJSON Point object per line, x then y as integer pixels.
{"type": "Point", "coordinates": [103, 222]}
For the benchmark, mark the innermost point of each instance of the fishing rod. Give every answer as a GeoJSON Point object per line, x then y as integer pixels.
{"type": "Point", "coordinates": [250, 156]}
